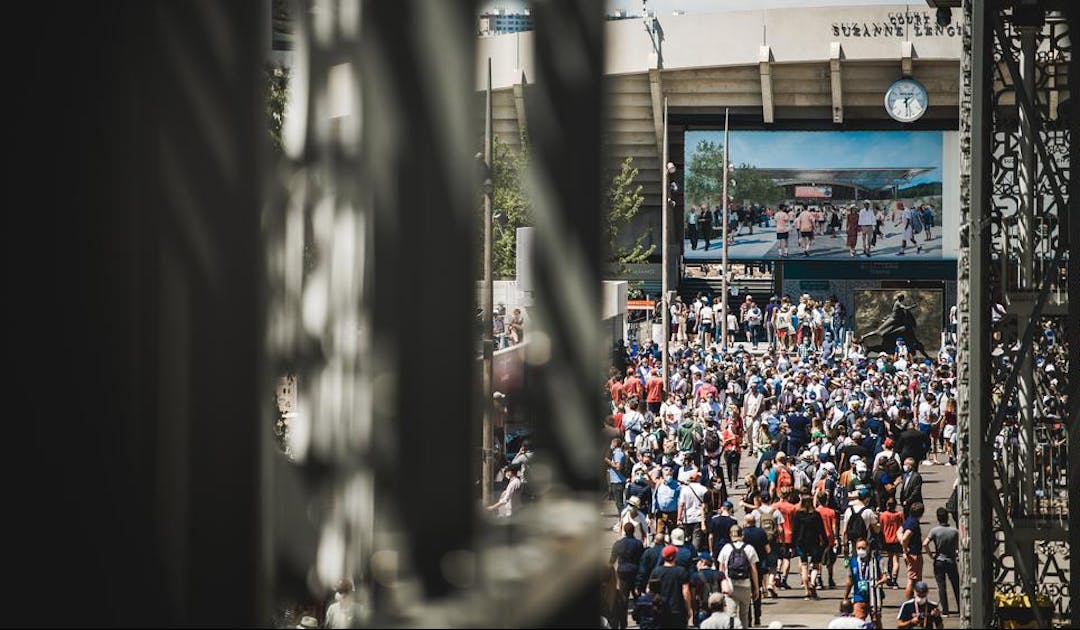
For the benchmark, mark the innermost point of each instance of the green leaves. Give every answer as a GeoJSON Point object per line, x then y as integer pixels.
{"type": "Point", "coordinates": [705, 174]}
{"type": "Point", "coordinates": [624, 201]}
{"type": "Point", "coordinates": [277, 94]}
{"type": "Point", "coordinates": [513, 209]}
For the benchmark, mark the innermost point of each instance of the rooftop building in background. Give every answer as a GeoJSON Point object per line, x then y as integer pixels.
{"type": "Point", "coordinates": [501, 21]}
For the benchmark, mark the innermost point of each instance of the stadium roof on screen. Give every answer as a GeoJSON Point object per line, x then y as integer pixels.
{"type": "Point", "coordinates": [863, 178]}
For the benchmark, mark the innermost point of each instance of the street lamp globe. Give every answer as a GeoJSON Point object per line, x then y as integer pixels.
{"type": "Point", "coordinates": [671, 167]}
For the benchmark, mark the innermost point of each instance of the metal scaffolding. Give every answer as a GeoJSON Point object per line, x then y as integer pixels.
{"type": "Point", "coordinates": [1019, 266]}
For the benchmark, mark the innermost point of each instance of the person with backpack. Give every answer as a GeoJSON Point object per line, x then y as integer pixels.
{"type": "Point", "coordinates": [771, 521]}
{"type": "Point", "coordinates": [739, 561]}
{"type": "Point", "coordinates": [859, 521]}
{"type": "Point", "coordinates": [911, 221]}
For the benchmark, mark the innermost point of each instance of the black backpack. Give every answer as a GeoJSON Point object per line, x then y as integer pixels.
{"type": "Point", "coordinates": [712, 440]}
{"type": "Point", "coordinates": [856, 527]}
{"type": "Point", "coordinates": [738, 564]}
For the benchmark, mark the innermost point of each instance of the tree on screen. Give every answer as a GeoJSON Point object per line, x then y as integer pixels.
{"type": "Point", "coordinates": [705, 174]}
{"type": "Point", "coordinates": [750, 185]}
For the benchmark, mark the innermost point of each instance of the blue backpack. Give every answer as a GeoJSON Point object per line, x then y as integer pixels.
{"type": "Point", "coordinates": [916, 222]}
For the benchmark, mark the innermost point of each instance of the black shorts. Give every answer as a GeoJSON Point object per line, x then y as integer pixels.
{"type": "Point", "coordinates": [781, 236]}
{"type": "Point", "coordinates": [809, 555]}
{"type": "Point", "coordinates": [892, 548]}
{"type": "Point", "coordinates": [654, 407]}
{"type": "Point", "coordinates": [785, 551]}
{"type": "Point", "coordinates": [809, 234]}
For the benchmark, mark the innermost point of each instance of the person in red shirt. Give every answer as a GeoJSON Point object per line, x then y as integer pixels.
{"type": "Point", "coordinates": [890, 520]}
{"type": "Point", "coordinates": [787, 507]}
{"type": "Point", "coordinates": [615, 386]}
{"type": "Point", "coordinates": [828, 516]}
{"type": "Point", "coordinates": [654, 388]}
{"type": "Point", "coordinates": [632, 386]}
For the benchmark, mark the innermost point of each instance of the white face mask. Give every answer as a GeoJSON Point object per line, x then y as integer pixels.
{"type": "Point", "coordinates": [920, 600]}
{"type": "Point", "coordinates": [862, 553]}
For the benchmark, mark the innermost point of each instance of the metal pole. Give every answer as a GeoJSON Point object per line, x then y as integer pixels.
{"type": "Point", "coordinates": [976, 473]}
{"type": "Point", "coordinates": [665, 250]}
{"type": "Point", "coordinates": [724, 281]}
{"type": "Point", "coordinates": [488, 457]}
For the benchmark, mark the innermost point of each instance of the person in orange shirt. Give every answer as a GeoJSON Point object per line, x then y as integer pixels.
{"type": "Point", "coordinates": [890, 525]}
{"type": "Point", "coordinates": [654, 389]}
{"type": "Point", "coordinates": [632, 386]}
{"type": "Point", "coordinates": [615, 387]}
{"type": "Point", "coordinates": [787, 507]}
{"type": "Point", "coordinates": [828, 516]}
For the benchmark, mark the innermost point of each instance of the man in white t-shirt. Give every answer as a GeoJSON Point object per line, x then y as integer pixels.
{"type": "Point", "coordinates": [744, 590]}
{"type": "Point", "coordinates": [705, 322]}
{"type": "Point", "coordinates": [867, 223]}
{"type": "Point", "coordinates": [691, 504]}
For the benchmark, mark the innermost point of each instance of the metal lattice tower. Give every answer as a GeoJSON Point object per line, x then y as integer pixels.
{"type": "Point", "coordinates": [1018, 269]}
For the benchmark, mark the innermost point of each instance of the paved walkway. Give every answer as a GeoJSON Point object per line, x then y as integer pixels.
{"type": "Point", "coordinates": [795, 612]}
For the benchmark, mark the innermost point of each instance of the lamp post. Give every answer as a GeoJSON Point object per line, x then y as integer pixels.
{"type": "Point", "coordinates": [665, 282]}
{"type": "Point", "coordinates": [724, 272]}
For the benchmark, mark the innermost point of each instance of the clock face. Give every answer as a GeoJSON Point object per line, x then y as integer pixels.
{"type": "Point", "coordinates": [906, 100]}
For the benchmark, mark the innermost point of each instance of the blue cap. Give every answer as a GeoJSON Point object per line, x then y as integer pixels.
{"type": "Point", "coordinates": [706, 556]}
{"type": "Point", "coordinates": [921, 587]}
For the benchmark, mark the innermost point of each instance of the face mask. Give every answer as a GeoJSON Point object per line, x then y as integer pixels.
{"type": "Point", "coordinates": [907, 468]}
{"type": "Point", "coordinates": [920, 600]}
{"type": "Point", "coordinates": [862, 554]}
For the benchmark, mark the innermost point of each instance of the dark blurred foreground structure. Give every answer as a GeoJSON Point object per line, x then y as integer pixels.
{"type": "Point", "coordinates": [156, 289]}
{"type": "Point", "coordinates": [154, 302]}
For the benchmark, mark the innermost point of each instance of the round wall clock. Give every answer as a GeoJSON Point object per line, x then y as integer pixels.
{"type": "Point", "coordinates": [906, 100]}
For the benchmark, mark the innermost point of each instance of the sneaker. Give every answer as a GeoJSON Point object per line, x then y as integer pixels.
{"type": "Point", "coordinates": [928, 463]}
{"type": "Point", "coordinates": [947, 464]}
{"type": "Point", "coordinates": [899, 253]}
{"type": "Point", "coordinates": [918, 250]}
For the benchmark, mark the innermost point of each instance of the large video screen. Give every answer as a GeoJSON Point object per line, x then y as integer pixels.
{"type": "Point", "coordinates": [885, 195]}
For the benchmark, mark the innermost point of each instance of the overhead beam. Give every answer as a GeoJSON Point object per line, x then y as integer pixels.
{"type": "Point", "coordinates": [765, 68]}
{"type": "Point", "coordinates": [656, 92]}
{"type": "Point", "coordinates": [907, 53]}
{"type": "Point", "coordinates": [836, 53]}
{"type": "Point", "coordinates": [519, 102]}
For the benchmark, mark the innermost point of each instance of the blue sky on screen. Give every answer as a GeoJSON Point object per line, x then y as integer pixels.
{"type": "Point", "coordinates": [832, 149]}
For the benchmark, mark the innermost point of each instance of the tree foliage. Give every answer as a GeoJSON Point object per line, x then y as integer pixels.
{"type": "Point", "coordinates": [747, 184]}
{"type": "Point", "coordinates": [513, 209]}
{"type": "Point", "coordinates": [277, 94]}
{"type": "Point", "coordinates": [624, 201]}
{"type": "Point", "coordinates": [705, 174]}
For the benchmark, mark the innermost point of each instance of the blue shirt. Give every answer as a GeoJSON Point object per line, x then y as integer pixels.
{"type": "Point", "coordinates": [666, 496]}
{"type": "Point", "coordinates": [915, 543]}
{"type": "Point", "coordinates": [863, 575]}
{"type": "Point", "coordinates": [614, 476]}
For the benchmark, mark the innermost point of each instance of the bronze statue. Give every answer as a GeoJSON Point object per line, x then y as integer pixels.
{"type": "Point", "coordinates": [900, 324]}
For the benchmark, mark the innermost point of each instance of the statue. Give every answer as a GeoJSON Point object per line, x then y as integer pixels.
{"type": "Point", "coordinates": [900, 324]}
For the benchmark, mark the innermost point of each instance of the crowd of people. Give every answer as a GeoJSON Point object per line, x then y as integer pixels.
{"type": "Point", "coordinates": [806, 326]}
{"type": "Point", "coordinates": [835, 441]}
{"type": "Point", "coordinates": [799, 225]}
